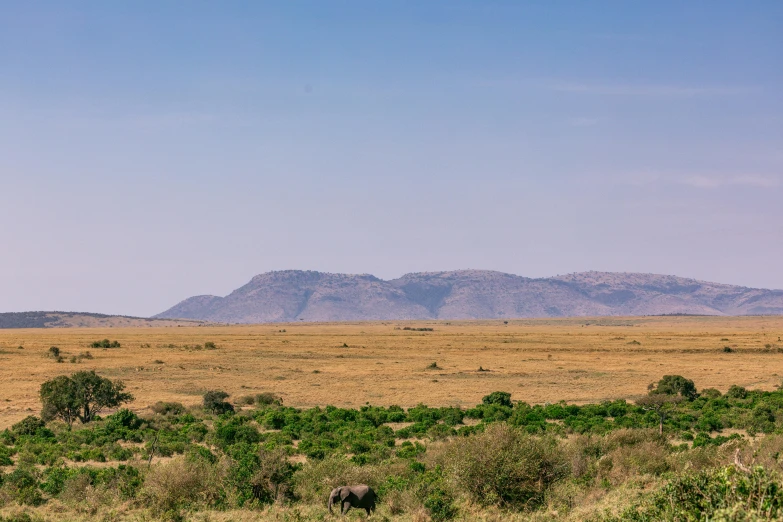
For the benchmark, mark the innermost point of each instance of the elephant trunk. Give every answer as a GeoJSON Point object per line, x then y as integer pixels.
{"type": "Point", "coordinates": [331, 501]}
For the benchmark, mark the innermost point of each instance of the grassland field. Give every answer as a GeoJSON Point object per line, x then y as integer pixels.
{"type": "Point", "coordinates": [578, 360]}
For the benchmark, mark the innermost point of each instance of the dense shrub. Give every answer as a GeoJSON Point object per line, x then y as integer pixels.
{"type": "Point", "coordinates": [28, 426]}
{"type": "Point", "coordinates": [701, 495]}
{"type": "Point", "coordinates": [215, 402]}
{"type": "Point", "coordinates": [675, 385]}
{"type": "Point", "coordinates": [272, 479]}
{"type": "Point", "coordinates": [183, 483]}
{"type": "Point", "coordinates": [515, 458]}
{"type": "Point", "coordinates": [168, 408]}
{"type": "Point", "coordinates": [499, 398]}
{"type": "Point", "coordinates": [737, 392]}
{"type": "Point", "coordinates": [268, 399]}
{"type": "Point", "coordinates": [21, 486]}
{"type": "Point", "coordinates": [504, 466]}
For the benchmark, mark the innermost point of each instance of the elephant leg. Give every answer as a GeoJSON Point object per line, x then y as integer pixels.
{"type": "Point", "coordinates": [346, 507]}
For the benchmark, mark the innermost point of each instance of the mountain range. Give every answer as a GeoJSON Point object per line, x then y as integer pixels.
{"type": "Point", "coordinates": [293, 295]}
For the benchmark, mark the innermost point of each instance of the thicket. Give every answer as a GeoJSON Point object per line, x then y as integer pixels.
{"type": "Point", "coordinates": [445, 461]}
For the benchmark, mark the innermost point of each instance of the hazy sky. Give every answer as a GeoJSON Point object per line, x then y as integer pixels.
{"type": "Point", "coordinates": [150, 151]}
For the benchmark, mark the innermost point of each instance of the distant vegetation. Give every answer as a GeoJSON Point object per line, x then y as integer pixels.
{"type": "Point", "coordinates": [105, 343]}
{"type": "Point", "coordinates": [509, 458]}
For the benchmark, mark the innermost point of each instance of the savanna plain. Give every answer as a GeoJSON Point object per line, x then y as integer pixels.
{"type": "Point", "coordinates": [465, 420]}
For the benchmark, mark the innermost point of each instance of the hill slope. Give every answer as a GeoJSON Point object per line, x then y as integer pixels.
{"type": "Point", "coordinates": [80, 320]}
{"type": "Point", "coordinates": [293, 295]}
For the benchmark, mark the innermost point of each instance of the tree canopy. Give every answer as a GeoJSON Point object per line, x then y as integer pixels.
{"type": "Point", "coordinates": [81, 396]}
{"type": "Point", "coordinates": [675, 385]}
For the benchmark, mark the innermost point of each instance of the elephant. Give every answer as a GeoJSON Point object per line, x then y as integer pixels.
{"type": "Point", "coordinates": [360, 496]}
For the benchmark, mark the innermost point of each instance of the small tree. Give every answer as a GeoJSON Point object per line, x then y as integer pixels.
{"type": "Point", "coordinates": [675, 385]}
{"type": "Point", "coordinates": [58, 397]}
{"type": "Point", "coordinates": [660, 404]}
{"type": "Point", "coordinates": [499, 398]}
{"type": "Point", "coordinates": [81, 396]}
{"type": "Point", "coordinates": [215, 402]}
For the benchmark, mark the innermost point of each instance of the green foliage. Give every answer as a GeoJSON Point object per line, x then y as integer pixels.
{"type": "Point", "coordinates": [168, 408]}
{"type": "Point", "coordinates": [737, 392]}
{"type": "Point", "coordinates": [498, 398]}
{"type": "Point", "coordinates": [675, 385]}
{"type": "Point", "coordinates": [81, 396]}
{"type": "Point", "coordinates": [215, 402]}
{"type": "Point", "coordinates": [5, 457]}
{"type": "Point", "coordinates": [235, 429]}
{"type": "Point", "coordinates": [183, 484]}
{"type": "Point", "coordinates": [438, 499]}
{"type": "Point", "coordinates": [28, 426]}
{"type": "Point", "coordinates": [699, 496]}
{"type": "Point", "coordinates": [710, 393]}
{"type": "Point", "coordinates": [504, 466]}
{"type": "Point", "coordinates": [21, 485]}
{"type": "Point", "coordinates": [515, 458]}
{"type": "Point", "coordinates": [409, 450]}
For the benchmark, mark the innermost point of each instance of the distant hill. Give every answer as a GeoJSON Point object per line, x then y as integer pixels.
{"type": "Point", "coordinates": [293, 295]}
{"type": "Point", "coordinates": [79, 319]}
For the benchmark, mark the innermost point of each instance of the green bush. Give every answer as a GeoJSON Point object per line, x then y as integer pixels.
{"type": "Point", "coordinates": [675, 385]}
{"type": "Point", "coordinates": [28, 426]}
{"type": "Point", "coordinates": [499, 398]}
{"type": "Point", "coordinates": [440, 505]}
{"type": "Point", "coordinates": [701, 495]}
{"type": "Point", "coordinates": [21, 486]}
{"type": "Point", "coordinates": [215, 402]}
{"type": "Point", "coordinates": [272, 479]}
{"type": "Point", "coordinates": [504, 466]}
{"type": "Point", "coordinates": [183, 484]}
{"type": "Point", "coordinates": [168, 408]}
{"type": "Point", "coordinates": [5, 458]}
{"type": "Point", "coordinates": [737, 392]}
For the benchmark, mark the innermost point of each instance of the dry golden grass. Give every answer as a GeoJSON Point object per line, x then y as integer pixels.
{"type": "Point", "coordinates": [577, 360]}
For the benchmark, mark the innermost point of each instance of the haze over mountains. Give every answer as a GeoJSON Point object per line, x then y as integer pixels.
{"type": "Point", "coordinates": [294, 295]}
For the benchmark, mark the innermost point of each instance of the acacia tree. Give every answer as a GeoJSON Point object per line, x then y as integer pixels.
{"type": "Point", "coordinates": [81, 396]}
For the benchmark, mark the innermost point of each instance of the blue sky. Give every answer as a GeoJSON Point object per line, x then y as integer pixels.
{"type": "Point", "coordinates": [150, 151]}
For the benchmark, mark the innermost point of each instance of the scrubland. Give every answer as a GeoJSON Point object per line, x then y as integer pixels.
{"type": "Point", "coordinates": [525, 420]}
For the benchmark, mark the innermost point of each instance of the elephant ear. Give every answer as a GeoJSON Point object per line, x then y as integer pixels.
{"type": "Point", "coordinates": [344, 492]}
